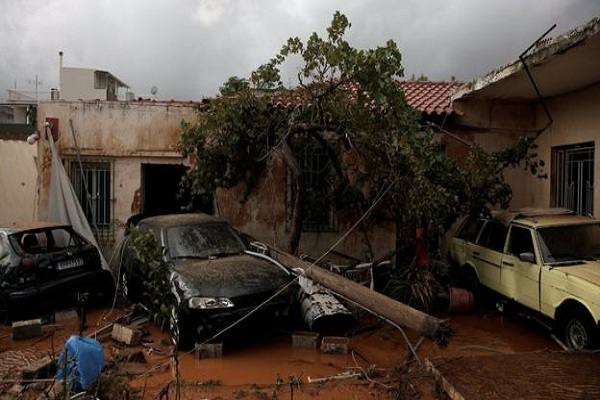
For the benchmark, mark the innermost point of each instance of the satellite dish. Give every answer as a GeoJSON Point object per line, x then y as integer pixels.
{"type": "Point", "coordinates": [153, 90]}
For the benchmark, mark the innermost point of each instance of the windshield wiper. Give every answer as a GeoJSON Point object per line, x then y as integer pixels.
{"type": "Point", "coordinates": [190, 256]}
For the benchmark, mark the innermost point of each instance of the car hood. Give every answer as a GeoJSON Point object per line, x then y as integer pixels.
{"type": "Point", "coordinates": [230, 276]}
{"type": "Point", "coordinates": [588, 271]}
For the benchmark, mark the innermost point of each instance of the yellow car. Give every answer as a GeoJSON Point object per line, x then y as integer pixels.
{"type": "Point", "coordinates": [547, 260]}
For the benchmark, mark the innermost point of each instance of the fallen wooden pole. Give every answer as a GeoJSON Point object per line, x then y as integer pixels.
{"type": "Point", "coordinates": [397, 312]}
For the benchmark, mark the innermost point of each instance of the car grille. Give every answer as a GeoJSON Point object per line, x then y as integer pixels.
{"type": "Point", "coordinates": [256, 299]}
{"type": "Point", "coordinates": [69, 264]}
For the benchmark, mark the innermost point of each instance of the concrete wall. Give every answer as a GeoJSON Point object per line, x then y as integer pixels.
{"type": "Point", "coordinates": [18, 177]}
{"type": "Point", "coordinates": [494, 125]}
{"type": "Point", "coordinates": [78, 83]}
{"type": "Point", "coordinates": [125, 134]}
{"type": "Point", "coordinates": [576, 119]}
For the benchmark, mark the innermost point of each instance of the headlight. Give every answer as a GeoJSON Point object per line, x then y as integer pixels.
{"type": "Point", "coordinates": [209, 302]}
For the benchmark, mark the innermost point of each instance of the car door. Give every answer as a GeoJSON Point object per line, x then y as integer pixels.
{"type": "Point", "coordinates": [487, 253]}
{"type": "Point", "coordinates": [521, 268]}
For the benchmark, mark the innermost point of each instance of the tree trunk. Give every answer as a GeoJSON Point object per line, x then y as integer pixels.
{"type": "Point", "coordinates": [375, 302]}
{"type": "Point", "coordinates": [297, 211]}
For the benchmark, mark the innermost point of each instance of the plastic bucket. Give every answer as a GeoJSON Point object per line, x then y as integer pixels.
{"type": "Point", "coordinates": [461, 300]}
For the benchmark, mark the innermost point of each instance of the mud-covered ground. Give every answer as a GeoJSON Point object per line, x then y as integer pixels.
{"type": "Point", "coordinates": [382, 362]}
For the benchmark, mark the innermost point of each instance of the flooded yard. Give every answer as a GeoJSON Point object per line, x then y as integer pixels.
{"type": "Point", "coordinates": [378, 363]}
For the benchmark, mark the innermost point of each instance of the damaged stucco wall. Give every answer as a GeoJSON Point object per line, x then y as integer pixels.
{"type": "Point", "coordinates": [18, 177]}
{"type": "Point", "coordinates": [263, 215]}
{"type": "Point", "coordinates": [125, 134]}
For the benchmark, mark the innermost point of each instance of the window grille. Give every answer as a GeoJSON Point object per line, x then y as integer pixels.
{"type": "Point", "coordinates": [92, 182]}
{"type": "Point", "coordinates": [573, 177]}
{"type": "Point", "coordinates": [319, 210]}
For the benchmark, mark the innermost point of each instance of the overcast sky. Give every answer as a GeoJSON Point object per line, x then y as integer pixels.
{"type": "Point", "coordinates": [188, 48]}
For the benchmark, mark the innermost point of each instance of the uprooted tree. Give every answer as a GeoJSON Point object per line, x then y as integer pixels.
{"type": "Point", "coordinates": [348, 106]}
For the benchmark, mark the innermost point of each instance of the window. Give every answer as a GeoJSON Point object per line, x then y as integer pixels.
{"type": "Point", "coordinates": [100, 79]}
{"type": "Point", "coordinates": [92, 182]}
{"type": "Point", "coordinates": [520, 241]}
{"type": "Point", "coordinates": [470, 230]}
{"type": "Point", "coordinates": [493, 236]}
{"type": "Point", "coordinates": [319, 210]}
{"type": "Point", "coordinates": [573, 177]}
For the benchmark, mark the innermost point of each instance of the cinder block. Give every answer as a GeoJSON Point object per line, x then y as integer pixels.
{"type": "Point", "coordinates": [64, 315]}
{"type": "Point", "coordinates": [26, 329]}
{"type": "Point", "coordinates": [125, 334]}
{"type": "Point", "coordinates": [305, 339]}
{"type": "Point", "coordinates": [39, 369]}
{"type": "Point", "coordinates": [209, 350]}
{"type": "Point", "coordinates": [335, 344]}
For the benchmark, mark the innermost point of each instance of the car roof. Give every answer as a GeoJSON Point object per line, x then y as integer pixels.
{"type": "Point", "coordinates": [31, 225]}
{"type": "Point", "coordinates": [536, 217]}
{"type": "Point", "coordinates": [169, 220]}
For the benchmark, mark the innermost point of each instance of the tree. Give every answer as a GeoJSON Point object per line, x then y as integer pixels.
{"type": "Point", "coordinates": [233, 86]}
{"type": "Point", "coordinates": [347, 101]}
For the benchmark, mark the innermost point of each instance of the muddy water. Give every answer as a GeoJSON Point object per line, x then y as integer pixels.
{"type": "Point", "coordinates": [260, 361]}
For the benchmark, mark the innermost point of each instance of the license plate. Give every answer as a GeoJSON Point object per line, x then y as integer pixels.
{"type": "Point", "coordinates": [62, 265]}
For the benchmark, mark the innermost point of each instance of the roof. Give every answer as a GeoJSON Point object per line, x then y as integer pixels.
{"type": "Point", "coordinates": [560, 65]}
{"type": "Point", "coordinates": [427, 97]}
{"type": "Point", "coordinates": [430, 97]}
{"type": "Point", "coordinates": [535, 217]}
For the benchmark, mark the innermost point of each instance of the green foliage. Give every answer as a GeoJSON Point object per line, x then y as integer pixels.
{"type": "Point", "coordinates": [346, 100]}
{"type": "Point", "coordinates": [156, 271]}
{"type": "Point", "coordinates": [233, 86]}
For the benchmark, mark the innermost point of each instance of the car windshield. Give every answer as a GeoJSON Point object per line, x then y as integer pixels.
{"type": "Point", "coordinates": [570, 244]}
{"type": "Point", "coordinates": [203, 241]}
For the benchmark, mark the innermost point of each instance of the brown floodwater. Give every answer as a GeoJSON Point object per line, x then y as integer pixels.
{"type": "Point", "coordinates": [252, 360]}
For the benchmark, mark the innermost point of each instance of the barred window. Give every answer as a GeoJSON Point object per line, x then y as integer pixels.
{"type": "Point", "coordinates": [319, 210]}
{"type": "Point", "coordinates": [92, 184]}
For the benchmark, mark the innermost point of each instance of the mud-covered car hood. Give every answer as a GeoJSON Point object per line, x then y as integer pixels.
{"type": "Point", "coordinates": [231, 276]}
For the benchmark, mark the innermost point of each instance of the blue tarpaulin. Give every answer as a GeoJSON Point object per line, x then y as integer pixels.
{"type": "Point", "coordinates": [80, 362]}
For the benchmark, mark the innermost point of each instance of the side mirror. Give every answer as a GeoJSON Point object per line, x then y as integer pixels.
{"type": "Point", "coordinates": [527, 257]}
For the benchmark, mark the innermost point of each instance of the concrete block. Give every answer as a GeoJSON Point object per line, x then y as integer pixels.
{"type": "Point", "coordinates": [124, 334]}
{"type": "Point", "coordinates": [26, 329]}
{"type": "Point", "coordinates": [305, 339]}
{"type": "Point", "coordinates": [39, 369]}
{"type": "Point", "coordinates": [335, 344]}
{"type": "Point", "coordinates": [65, 315]}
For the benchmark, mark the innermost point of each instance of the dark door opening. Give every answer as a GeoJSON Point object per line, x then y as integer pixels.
{"type": "Point", "coordinates": [163, 194]}
{"type": "Point", "coordinates": [161, 186]}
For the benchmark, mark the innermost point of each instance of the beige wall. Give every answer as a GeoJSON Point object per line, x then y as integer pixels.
{"type": "Point", "coordinates": [18, 177]}
{"type": "Point", "coordinates": [125, 134]}
{"type": "Point", "coordinates": [78, 83]}
{"type": "Point", "coordinates": [576, 119]}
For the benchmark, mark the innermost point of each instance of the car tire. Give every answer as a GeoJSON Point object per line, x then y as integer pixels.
{"type": "Point", "coordinates": [579, 331]}
{"type": "Point", "coordinates": [180, 329]}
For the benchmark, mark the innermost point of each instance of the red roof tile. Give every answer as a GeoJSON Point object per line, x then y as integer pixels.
{"type": "Point", "coordinates": [430, 97]}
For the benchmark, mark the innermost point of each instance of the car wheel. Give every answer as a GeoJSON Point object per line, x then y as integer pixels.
{"type": "Point", "coordinates": [579, 331]}
{"type": "Point", "coordinates": [470, 280]}
{"type": "Point", "coordinates": [180, 329]}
